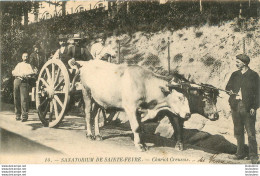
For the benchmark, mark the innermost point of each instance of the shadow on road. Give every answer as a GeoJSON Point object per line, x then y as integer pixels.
{"type": "Point", "coordinates": [193, 138]}
{"type": "Point", "coordinates": [118, 135]}
{"type": "Point", "coordinates": [36, 125]}
{"type": "Point", "coordinates": [12, 143]}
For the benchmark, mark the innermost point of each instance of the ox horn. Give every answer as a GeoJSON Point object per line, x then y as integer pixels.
{"type": "Point", "coordinates": [173, 86]}
{"type": "Point", "coordinates": [196, 86]}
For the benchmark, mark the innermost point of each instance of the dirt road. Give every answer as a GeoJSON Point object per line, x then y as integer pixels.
{"type": "Point", "coordinates": [30, 142]}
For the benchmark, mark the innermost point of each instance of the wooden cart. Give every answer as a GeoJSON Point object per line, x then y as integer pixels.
{"type": "Point", "coordinates": [53, 91]}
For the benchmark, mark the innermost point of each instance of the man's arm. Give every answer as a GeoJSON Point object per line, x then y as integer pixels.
{"type": "Point", "coordinates": [56, 55]}
{"type": "Point", "coordinates": [229, 86]}
{"type": "Point", "coordinates": [70, 52]}
{"type": "Point", "coordinates": [88, 55]}
{"type": "Point", "coordinates": [15, 72]}
{"type": "Point", "coordinates": [31, 58]}
{"type": "Point", "coordinates": [256, 91]}
{"type": "Point", "coordinates": [34, 70]}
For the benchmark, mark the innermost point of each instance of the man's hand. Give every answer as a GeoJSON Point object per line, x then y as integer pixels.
{"type": "Point", "coordinates": [252, 112]}
{"type": "Point", "coordinates": [72, 61]}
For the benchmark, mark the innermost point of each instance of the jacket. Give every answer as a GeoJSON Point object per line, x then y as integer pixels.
{"type": "Point", "coordinates": [250, 88]}
{"type": "Point", "coordinates": [79, 53]}
{"type": "Point", "coordinates": [37, 60]}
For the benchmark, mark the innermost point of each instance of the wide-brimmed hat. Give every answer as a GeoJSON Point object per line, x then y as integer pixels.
{"type": "Point", "coordinates": [62, 37]}
{"type": "Point", "coordinates": [77, 37]}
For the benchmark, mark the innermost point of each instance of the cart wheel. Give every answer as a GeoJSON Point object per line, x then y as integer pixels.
{"type": "Point", "coordinates": [52, 92]}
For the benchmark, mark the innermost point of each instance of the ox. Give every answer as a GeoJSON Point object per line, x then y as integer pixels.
{"type": "Point", "coordinates": [132, 89]}
{"type": "Point", "coordinates": [202, 98]}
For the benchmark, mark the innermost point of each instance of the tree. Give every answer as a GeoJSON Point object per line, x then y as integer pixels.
{"type": "Point", "coordinates": [36, 6]}
{"type": "Point", "coordinates": [63, 5]}
{"type": "Point", "coordinates": [59, 3]}
{"type": "Point", "coordinates": [27, 7]}
{"type": "Point", "coordinates": [16, 10]}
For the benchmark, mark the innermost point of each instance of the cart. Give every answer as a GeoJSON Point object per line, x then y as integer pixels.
{"type": "Point", "coordinates": [53, 91]}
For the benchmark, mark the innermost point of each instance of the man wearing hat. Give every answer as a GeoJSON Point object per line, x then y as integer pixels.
{"type": "Point", "coordinates": [244, 88]}
{"type": "Point", "coordinates": [36, 58]}
{"type": "Point", "coordinates": [62, 52]}
{"type": "Point", "coordinates": [77, 51]}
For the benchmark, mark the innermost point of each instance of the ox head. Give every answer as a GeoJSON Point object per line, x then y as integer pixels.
{"type": "Point", "coordinates": [180, 105]}
{"type": "Point", "coordinates": [178, 102]}
{"type": "Point", "coordinates": [202, 98]}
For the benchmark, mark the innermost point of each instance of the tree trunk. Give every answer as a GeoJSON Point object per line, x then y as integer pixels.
{"type": "Point", "coordinates": [240, 10]}
{"type": "Point", "coordinates": [64, 8]}
{"type": "Point", "coordinates": [127, 7]}
{"type": "Point", "coordinates": [26, 18]}
{"type": "Point", "coordinates": [200, 6]}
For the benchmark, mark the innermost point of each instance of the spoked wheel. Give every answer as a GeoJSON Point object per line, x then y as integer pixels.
{"type": "Point", "coordinates": [52, 92]}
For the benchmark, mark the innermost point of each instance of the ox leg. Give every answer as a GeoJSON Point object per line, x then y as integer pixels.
{"type": "Point", "coordinates": [135, 126]}
{"type": "Point", "coordinates": [177, 126]}
{"type": "Point", "coordinates": [87, 99]}
{"type": "Point", "coordinates": [97, 132]}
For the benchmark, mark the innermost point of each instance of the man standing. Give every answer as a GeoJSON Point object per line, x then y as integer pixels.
{"type": "Point", "coordinates": [244, 100]}
{"type": "Point", "coordinates": [22, 72]}
{"type": "Point", "coordinates": [36, 58]}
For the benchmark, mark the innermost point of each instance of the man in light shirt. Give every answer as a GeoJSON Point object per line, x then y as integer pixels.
{"type": "Point", "coordinates": [100, 52]}
{"type": "Point", "coordinates": [244, 88]}
{"type": "Point", "coordinates": [22, 73]}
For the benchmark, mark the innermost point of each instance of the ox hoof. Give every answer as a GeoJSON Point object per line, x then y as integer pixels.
{"type": "Point", "coordinates": [179, 146]}
{"type": "Point", "coordinates": [99, 138]}
{"type": "Point", "coordinates": [90, 136]}
{"type": "Point", "coordinates": [141, 147]}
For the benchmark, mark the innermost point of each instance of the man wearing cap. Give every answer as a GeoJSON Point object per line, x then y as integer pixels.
{"type": "Point", "coordinates": [62, 52]}
{"type": "Point", "coordinates": [36, 58]}
{"type": "Point", "coordinates": [78, 52]}
{"type": "Point", "coordinates": [244, 88]}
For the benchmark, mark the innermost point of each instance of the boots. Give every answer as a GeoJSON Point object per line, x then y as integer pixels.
{"type": "Point", "coordinates": [240, 148]}
{"type": "Point", "coordinates": [240, 145]}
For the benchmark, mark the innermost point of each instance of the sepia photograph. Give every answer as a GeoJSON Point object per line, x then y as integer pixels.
{"type": "Point", "coordinates": [129, 82]}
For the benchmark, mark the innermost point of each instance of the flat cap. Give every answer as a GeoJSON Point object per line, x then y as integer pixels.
{"type": "Point", "coordinates": [244, 58]}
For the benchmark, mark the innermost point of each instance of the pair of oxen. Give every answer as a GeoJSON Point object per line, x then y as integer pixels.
{"type": "Point", "coordinates": [143, 95]}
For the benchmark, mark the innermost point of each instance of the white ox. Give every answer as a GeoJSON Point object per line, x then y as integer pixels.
{"type": "Point", "coordinates": [132, 89]}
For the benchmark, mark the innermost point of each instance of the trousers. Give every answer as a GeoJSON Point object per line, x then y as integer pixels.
{"type": "Point", "coordinates": [243, 120]}
{"type": "Point", "coordinates": [21, 98]}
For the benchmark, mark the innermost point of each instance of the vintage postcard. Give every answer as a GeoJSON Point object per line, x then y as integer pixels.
{"type": "Point", "coordinates": [130, 82]}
